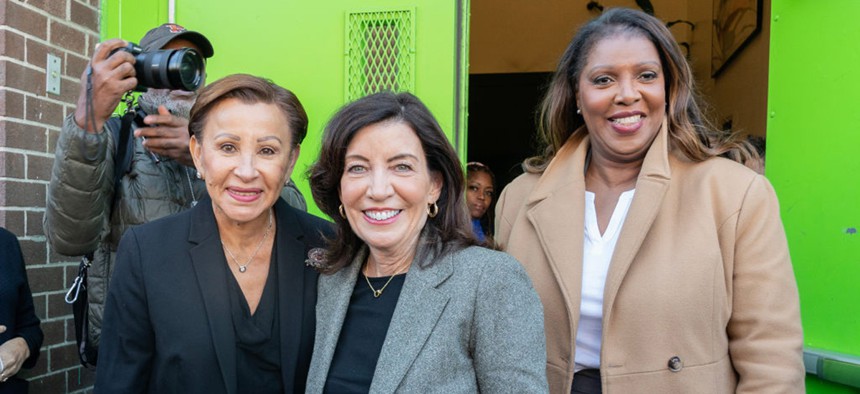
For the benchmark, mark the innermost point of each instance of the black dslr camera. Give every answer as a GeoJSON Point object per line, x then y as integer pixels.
{"type": "Point", "coordinates": [174, 69]}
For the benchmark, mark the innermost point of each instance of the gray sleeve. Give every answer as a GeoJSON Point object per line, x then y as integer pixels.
{"type": "Point", "coordinates": [291, 194]}
{"type": "Point", "coordinates": [509, 340]}
{"type": "Point", "coordinates": [81, 189]}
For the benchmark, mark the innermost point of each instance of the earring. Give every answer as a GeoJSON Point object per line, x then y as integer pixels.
{"type": "Point", "coordinates": [578, 111]}
{"type": "Point", "coordinates": [432, 210]}
{"type": "Point", "coordinates": [342, 211]}
{"type": "Point", "coordinates": [199, 175]}
{"type": "Point", "coordinates": [287, 182]}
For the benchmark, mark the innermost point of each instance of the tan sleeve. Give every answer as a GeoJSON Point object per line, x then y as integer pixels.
{"type": "Point", "coordinates": [765, 333]}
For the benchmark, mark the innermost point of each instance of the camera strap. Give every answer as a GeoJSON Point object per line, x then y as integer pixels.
{"type": "Point", "coordinates": [125, 142]}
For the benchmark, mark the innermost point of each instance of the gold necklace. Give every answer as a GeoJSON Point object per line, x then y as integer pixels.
{"type": "Point", "coordinates": [243, 268]}
{"type": "Point", "coordinates": [377, 293]}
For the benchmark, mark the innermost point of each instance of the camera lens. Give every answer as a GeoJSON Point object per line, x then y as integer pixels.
{"type": "Point", "coordinates": [174, 69]}
{"type": "Point", "coordinates": [185, 69]}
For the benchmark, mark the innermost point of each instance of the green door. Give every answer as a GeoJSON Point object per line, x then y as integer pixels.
{"type": "Point", "coordinates": [813, 136]}
{"type": "Point", "coordinates": [327, 52]}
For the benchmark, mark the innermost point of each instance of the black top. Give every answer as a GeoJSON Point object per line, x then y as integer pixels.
{"type": "Point", "coordinates": [16, 307]}
{"type": "Point", "coordinates": [258, 343]}
{"type": "Point", "coordinates": [362, 335]}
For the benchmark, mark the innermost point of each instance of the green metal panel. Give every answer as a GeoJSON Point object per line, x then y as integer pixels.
{"type": "Point", "coordinates": [130, 19]}
{"type": "Point", "coordinates": [812, 160]}
{"type": "Point", "coordinates": [300, 45]}
{"type": "Point", "coordinates": [380, 51]}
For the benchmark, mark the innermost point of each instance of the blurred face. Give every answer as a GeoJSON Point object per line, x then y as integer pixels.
{"type": "Point", "coordinates": [178, 102]}
{"type": "Point", "coordinates": [245, 157]}
{"type": "Point", "coordinates": [386, 187]}
{"type": "Point", "coordinates": [479, 193]}
{"type": "Point", "coordinates": [622, 98]}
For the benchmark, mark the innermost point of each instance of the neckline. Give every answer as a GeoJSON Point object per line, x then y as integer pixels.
{"type": "Point", "coordinates": [619, 213]}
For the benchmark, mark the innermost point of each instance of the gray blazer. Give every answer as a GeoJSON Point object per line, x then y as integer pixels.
{"type": "Point", "coordinates": [471, 322]}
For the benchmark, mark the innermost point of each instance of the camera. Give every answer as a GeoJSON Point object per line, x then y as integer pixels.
{"type": "Point", "coordinates": [174, 69]}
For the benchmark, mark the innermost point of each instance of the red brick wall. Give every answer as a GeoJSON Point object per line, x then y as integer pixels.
{"type": "Point", "coordinates": [30, 121]}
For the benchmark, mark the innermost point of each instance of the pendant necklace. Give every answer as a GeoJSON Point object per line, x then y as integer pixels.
{"type": "Point", "coordinates": [378, 292]}
{"type": "Point", "coordinates": [190, 188]}
{"type": "Point", "coordinates": [243, 268]}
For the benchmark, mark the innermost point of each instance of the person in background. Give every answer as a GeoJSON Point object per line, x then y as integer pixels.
{"type": "Point", "coordinates": [20, 334]}
{"type": "Point", "coordinates": [218, 298]}
{"type": "Point", "coordinates": [407, 302]}
{"type": "Point", "coordinates": [87, 211]}
{"type": "Point", "coordinates": [480, 183]}
{"type": "Point", "coordinates": [662, 267]}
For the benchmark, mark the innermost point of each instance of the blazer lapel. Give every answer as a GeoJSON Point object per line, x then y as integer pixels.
{"type": "Point", "coordinates": [334, 292]}
{"type": "Point", "coordinates": [208, 262]}
{"type": "Point", "coordinates": [557, 212]}
{"type": "Point", "coordinates": [291, 287]}
{"type": "Point", "coordinates": [418, 309]}
{"type": "Point", "coordinates": [651, 187]}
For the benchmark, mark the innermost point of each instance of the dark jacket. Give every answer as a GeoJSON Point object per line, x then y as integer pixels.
{"type": "Point", "coordinates": [16, 307]}
{"type": "Point", "coordinates": [168, 326]}
{"type": "Point", "coordinates": [81, 216]}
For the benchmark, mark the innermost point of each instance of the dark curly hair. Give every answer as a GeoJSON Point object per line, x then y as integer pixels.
{"type": "Point", "coordinates": [449, 231]}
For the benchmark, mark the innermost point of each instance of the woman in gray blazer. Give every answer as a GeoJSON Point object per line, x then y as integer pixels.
{"type": "Point", "coordinates": [408, 303]}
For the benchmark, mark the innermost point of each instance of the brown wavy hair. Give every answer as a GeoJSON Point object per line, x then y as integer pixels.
{"type": "Point", "coordinates": [249, 89]}
{"type": "Point", "coordinates": [689, 129]}
{"type": "Point", "coordinates": [449, 231]}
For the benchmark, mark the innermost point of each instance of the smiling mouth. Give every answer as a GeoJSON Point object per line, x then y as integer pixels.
{"type": "Point", "coordinates": [627, 121]}
{"type": "Point", "coordinates": [382, 215]}
{"type": "Point", "coordinates": [244, 194]}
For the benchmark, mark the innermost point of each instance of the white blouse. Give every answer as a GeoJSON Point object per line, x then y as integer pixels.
{"type": "Point", "coordinates": [597, 253]}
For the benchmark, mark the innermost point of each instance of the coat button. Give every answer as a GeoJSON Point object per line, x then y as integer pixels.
{"type": "Point", "coordinates": [675, 364]}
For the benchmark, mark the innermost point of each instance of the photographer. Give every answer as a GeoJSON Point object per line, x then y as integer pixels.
{"type": "Point", "coordinates": [93, 197]}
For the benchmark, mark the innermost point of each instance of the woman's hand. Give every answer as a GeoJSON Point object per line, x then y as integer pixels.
{"type": "Point", "coordinates": [13, 353]}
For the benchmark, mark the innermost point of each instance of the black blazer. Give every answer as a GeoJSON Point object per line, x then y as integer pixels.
{"type": "Point", "coordinates": [16, 307]}
{"type": "Point", "coordinates": [167, 324]}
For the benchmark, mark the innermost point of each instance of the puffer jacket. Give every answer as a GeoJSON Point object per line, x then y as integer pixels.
{"type": "Point", "coordinates": [81, 216]}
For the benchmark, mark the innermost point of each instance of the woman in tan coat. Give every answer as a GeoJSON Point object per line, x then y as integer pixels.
{"type": "Point", "coordinates": [661, 266]}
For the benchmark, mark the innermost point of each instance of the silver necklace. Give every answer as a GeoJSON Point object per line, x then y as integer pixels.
{"type": "Point", "coordinates": [190, 187]}
{"type": "Point", "coordinates": [243, 268]}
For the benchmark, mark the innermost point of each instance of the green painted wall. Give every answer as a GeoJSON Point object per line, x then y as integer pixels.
{"type": "Point", "coordinates": [300, 45]}
{"type": "Point", "coordinates": [813, 160]}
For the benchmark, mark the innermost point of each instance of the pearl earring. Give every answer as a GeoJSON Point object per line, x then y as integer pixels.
{"type": "Point", "coordinates": [578, 111]}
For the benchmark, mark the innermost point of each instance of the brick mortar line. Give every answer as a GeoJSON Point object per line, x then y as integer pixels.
{"type": "Point", "coordinates": [48, 43]}
{"type": "Point", "coordinates": [30, 122]}
{"type": "Point", "coordinates": [17, 180]}
{"type": "Point", "coordinates": [24, 209]}
{"type": "Point", "coordinates": [49, 373]}
{"type": "Point", "coordinates": [34, 238]}
{"type": "Point", "coordinates": [46, 98]}
{"type": "Point", "coordinates": [27, 152]}
{"type": "Point", "coordinates": [51, 16]}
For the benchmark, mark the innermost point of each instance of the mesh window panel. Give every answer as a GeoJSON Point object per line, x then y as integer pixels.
{"type": "Point", "coordinates": [380, 52]}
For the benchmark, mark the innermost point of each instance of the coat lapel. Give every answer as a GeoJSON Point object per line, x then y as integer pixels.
{"type": "Point", "coordinates": [291, 287]}
{"type": "Point", "coordinates": [651, 187]}
{"type": "Point", "coordinates": [557, 211]}
{"type": "Point", "coordinates": [209, 264]}
{"type": "Point", "coordinates": [334, 292]}
{"type": "Point", "coordinates": [417, 311]}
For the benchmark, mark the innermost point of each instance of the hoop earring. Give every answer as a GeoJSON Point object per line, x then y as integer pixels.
{"type": "Point", "coordinates": [432, 210]}
{"type": "Point", "coordinates": [342, 211]}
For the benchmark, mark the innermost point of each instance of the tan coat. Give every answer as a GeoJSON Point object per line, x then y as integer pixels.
{"type": "Point", "coordinates": [701, 272]}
